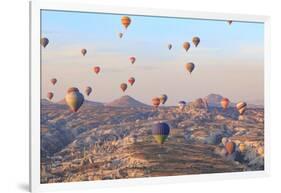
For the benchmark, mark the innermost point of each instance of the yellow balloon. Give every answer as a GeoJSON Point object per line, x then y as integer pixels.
{"type": "Point", "coordinates": [74, 99]}
{"type": "Point", "coordinates": [242, 147]}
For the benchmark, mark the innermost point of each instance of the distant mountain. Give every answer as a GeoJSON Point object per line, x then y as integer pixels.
{"type": "Point", "coordinates": [126, 101]}
{"type": "Point", "coordinates": [86, 103]}
{"type": "Point", "coordinates": [46, 102]}
{"type": "Point", "coordinates": [214, 100]}
{"type": "Point", "coordinates": [198, 103]}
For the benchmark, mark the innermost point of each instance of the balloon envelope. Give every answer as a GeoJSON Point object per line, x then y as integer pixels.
{"type": "Point", "coordinates": [156, 102]}
{"type": "Point", "coordinates": [186, 46]}
{"type": "Point", "coordinates": [50, 95]}
{"type": "Point", "coordinates": [132, 59]}
{"type": "Point", "coordinates": [230, 147]}
{"type": "Point", "coordinates": [123, 87]}
{"type": "Point", "coordinates": [163, 98]}
{"type": "Point", "coordinates": [169, 46]}
{"type": "Point", "coordinates": [53, 81]}
{"type": "Point", "coordinates": [241, 107]}
{"type": "Point", "coordinates": [224, 140]}
{"type": "Point", "coordinates": [88, 90]}
{"type": "Point", "coordinates": [260, 150]}
{"type": "Point", "coordinates": [131, 81]}
{"type": "Point", "coordinates": [126, 21]}
{"type": "Point", "coordinates": [74, 99]}
{"type": "Point", "coordinates": [242, 147]}
{"type": "Point", "coordinates": [160, 132]}
{"type": "Point", "coordinates": [196, 41]}
{"type": "Point", "coordinates": [84, 51]}
{"type": "Point", "coordinates": [181, 105]}
{"type": "Point", "coordinates": [189, 67]}
{"type": "Point", "coordinates": [44, 42]}
{"type": "Point", "coordinates": [96, 69]}
{"type": "Point", "coordinates": [224, 103]}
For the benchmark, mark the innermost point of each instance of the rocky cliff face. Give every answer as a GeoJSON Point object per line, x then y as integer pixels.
{"type": "Point", "coordinates": [112, 142]}
{"type": "Point", "coordinates": [214, 100]}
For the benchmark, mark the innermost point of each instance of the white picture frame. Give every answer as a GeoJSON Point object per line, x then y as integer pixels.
{"type": "Point", "coordinates": [36, 6]}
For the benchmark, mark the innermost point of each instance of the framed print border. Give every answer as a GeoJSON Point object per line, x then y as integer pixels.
{"type": "Point", "coordinates": [35, 87]}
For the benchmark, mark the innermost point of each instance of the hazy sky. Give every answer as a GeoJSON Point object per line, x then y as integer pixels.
{"type": "Point", "coordinates": [228, 61]}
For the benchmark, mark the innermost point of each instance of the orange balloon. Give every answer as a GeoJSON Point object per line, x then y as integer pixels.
{"type": "Point", "coordinates": [186, 46]}
{"type": "Point", "coordinates": [230, 147]}
{"type": "Point", "coordinates": [224, 103]}
{"type": "Point", "coordinates": [156, 101]}
{"type": "Point", "coordinates": [126, 21]}
{"type": "Point", "coordinates": [189, 67]}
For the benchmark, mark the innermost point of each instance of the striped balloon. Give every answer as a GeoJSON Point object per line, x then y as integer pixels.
{"type": "Point", "coordinates": [241, 107]}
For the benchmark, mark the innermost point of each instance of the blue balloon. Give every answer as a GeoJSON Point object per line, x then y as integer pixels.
{"type": "Point", "coordinates": [160, 132]}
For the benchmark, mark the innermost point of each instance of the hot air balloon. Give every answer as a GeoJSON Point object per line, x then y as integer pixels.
{"type": "Point", "coordinates": [160, 132]}
{"type": "Point", "coordinates": [229, 22]}
{"type": "Point", "coordinates": [230, 147]}
{"type": "Point", "coordinates": [260, 150]}
{"type": "Point", "coordinates": [74, 99]}
{"type": "Point", "coordinates": [123, 87]}
{"type": "Point", "coordinates": [53, 81]}
{"type": "Point", "coordinates": [163, 99]}
{"type": "Point", "coordinates": [186, 46]}
{"type": "Point", "coordinates": [224, 103]}
{"type": "Point", "coordinates": [169, 46]}
{"type": "Point", "coordinates": [50, 95]}
{"type": "Point", "coordinates": [242, 147]}
{"type": "Point", "coordinates": [44, 42]}
{"type": "Point", "coordinates": [241, 107]}
{"type": "Point", "coordinates": [156, 102]}
{"type": "Point", "coordinates": [131, 81]}
{"type": "Point", "coordinates": [88, 90]}
{"type": "Point", "coordinates": [96, 69]}
{"type": "Point", "coordinates": [126, 21]}
{"type": "Point", "coordinates": [132, 59]}
{"type": "Point", "coordinates": [224, 140]}
{"type": "Point", "coordinates": [84, 51]}
{"type": "Point", "coordinates": [196, 41]}
{"type": "Point", "coordinates": [181, 105]}
{"type": "Point", "coordinates": [189, 67]}
{"type": "Point", "coordinates": [120, 35]}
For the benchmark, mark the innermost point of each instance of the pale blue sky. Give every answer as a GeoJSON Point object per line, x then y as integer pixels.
{"type": "Point", "coordinates": [229, 59]}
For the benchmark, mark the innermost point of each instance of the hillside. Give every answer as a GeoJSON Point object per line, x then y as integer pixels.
{"type": "Point", "coordinates": [126, 101]}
